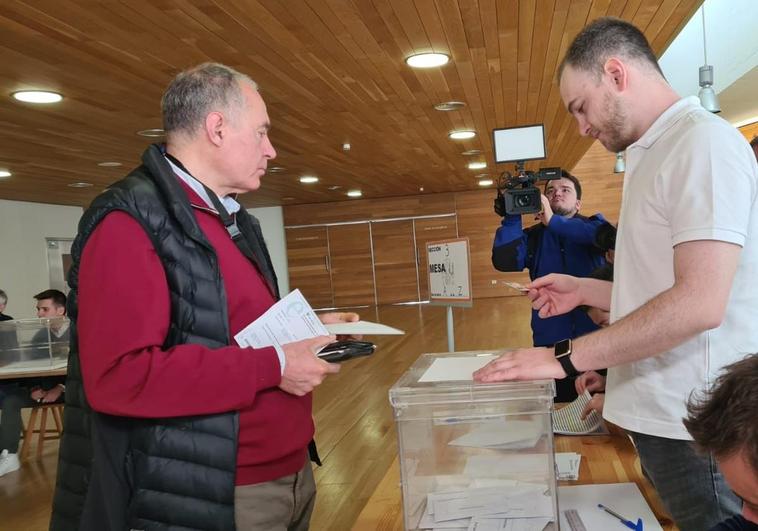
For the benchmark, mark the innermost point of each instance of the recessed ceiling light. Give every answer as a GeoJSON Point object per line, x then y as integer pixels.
{"type": "Point", "coordinates": [472, 152]}
{"type": "Point", "coordinates": [450, 106]}
{"type": "Point", "coordinates": [427, 60]}
{"type": "Point", "coordinates": [478, 165]}
{"type": "Point", "coordinates": [335, 187]}
{"type": "Point", "coordinates": [346, 146]}
{"type": "Point", "coordinates": [80, 185]}
{"type": "Point", "coordinates": [276, 169]}
{"type": "Point", "coordinates": [485, 182]}
{"type": "Point", "coordinates": [308, 179]}
{"type": "Point", "coordinates": [461, 134]}
{"type": "Point", "coordinates": [420, 188]}
{"type": "Point", "coordinates": [4, 174]}
{"type": "Point", "coordinates": [288, 198]}
{"type": "Point", "coordinates": [109, 164]}
{"type": "Point", "coordinates": [354, 193]}
{"type": "Point", "coordinates": [37, 96]}
{"type": "Point", "coordinates": [152, 133]}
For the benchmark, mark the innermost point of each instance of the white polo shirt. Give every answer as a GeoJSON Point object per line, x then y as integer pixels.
{"type": "Point", "coordinates": [691, 176]}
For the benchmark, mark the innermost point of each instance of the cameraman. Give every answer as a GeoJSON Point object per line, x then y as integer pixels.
{"type": "Point", "coordinates": [563, 242]}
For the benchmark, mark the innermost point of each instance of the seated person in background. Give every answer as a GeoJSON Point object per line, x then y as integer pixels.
{"type": "Point", "coordinates": [25, 392]}
{"type": "Point", "coordinates": [724, 424]}
{"type": "Point", "coordinates": [3, 303]}
{"type": "Point", "coordinates": [562, 242]}
{"type": "Point", "coordinates": [51, 304]}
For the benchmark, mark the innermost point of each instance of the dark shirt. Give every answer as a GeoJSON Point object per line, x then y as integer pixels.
{"type": "Point", "coordinates": [735, 523]}
{"type": "Point", "coordinates": [4, 317]}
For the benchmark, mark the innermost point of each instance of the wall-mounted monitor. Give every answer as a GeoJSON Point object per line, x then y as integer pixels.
{"type": "Point", "coordinates": [514, 144]}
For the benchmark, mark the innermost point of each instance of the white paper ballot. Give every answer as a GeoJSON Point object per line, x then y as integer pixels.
{"type": "Point", "coordinates": [290, 319]}
{"type": "Point", "coordinates": [455, 368]}
{"type": "Point", "coordinates": [500, 433]}
{"type": "Point", "coordinates": [362, 328]}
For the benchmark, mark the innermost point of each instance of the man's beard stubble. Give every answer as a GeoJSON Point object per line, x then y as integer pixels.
{"type": "Point", "coordinates": [614, 126]}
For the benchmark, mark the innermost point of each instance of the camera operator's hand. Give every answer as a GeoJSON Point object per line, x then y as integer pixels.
{"type": "Point", "coordinates": [500, 204]}
{"type": "Point", "coordinates": [547, 212]}
{"type": "Point", "coordinates": [303, 370]}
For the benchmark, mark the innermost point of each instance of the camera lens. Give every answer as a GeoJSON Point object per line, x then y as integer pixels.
{"type": "Point", "coordinates": [522, 201]}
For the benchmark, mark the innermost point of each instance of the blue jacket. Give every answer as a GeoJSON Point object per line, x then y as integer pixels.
{"type": "Point", "coordinates": [565, 245]}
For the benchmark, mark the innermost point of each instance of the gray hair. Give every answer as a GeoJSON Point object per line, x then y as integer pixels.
{"type": "Point", "coordinates": [3, 297]}
{"type": "Point", "coordinates": [195, 92]}
{"type": "Point", "coordinates": [606, 37]}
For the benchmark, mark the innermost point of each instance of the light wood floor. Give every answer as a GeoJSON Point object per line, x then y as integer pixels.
{"type": "Point", "coordinates": [354, 426]}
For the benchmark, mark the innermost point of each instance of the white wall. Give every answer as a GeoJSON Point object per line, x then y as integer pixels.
{"type": "Point", "coordinates": [731, 43]}
{"type": "Point", "coordinates": [23, 251]}
{"type": "Point", "coordinates": [272, 225]}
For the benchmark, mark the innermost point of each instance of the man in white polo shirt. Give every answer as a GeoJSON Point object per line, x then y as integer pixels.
{"type": "Point", "coordinates": [684, 302]}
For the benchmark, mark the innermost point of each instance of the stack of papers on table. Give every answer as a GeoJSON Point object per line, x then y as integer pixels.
{"type": "Point", "coordinates": [523, 507]}
{"type": "Point", "coordinates": [568, 465]}
{"type": "Point", "coordinates": [568, 419]}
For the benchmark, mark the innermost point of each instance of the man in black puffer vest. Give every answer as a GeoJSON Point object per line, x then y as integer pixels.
{"type": "Point", "coordinates": [169, 424]}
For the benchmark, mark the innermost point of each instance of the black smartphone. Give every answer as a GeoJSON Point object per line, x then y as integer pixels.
{"type": "Point", "coordinates": [346, 350]}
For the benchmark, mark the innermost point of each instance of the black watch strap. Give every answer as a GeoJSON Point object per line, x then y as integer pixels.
{"type": "Point", "coordinates": [563, 355]}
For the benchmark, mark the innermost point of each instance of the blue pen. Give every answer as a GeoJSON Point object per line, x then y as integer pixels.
{"type": "Point", "coordinates": [627, 523]}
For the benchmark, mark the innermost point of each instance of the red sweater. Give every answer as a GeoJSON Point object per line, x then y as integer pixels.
{"type": "Point", "coordinates": [124, 315]}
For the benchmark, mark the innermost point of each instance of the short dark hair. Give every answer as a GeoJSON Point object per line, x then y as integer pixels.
{"type": "Point", "coordinates": [3, 297]}
{"type": "Point", "coordinates": [723, 420]}
{"type": "Point", "coordinates": [754, 141]}
{"type": "Point", "coordinates": [577, 185]}
{"type": "Point", "coordinates": [58, 297]}
{"type": "Point", "coordinates": [605, 37]}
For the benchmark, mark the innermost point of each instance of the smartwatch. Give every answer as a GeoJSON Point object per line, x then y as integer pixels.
{"type": "Point", "coordinates": [563, 355]}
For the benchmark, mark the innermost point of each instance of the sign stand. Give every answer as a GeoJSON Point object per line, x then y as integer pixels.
{"type": "Point", "coordinates": [449, 278]}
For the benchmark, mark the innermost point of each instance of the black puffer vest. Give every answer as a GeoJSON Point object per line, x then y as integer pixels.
{"type": "Point", "coordinates": [117, 473]}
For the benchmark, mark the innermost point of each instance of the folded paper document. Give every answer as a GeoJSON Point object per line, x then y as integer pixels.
{"type": "Point", "coordinates": [362, 328]}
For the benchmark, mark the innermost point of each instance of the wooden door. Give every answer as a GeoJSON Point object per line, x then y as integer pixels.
{"type": "Point", "coordinates": [352, 270]}
{"type": "Point", "coordinates": [394, 261]}
{"type": "Point", "coordinates": [308, 264]}
{"type": "Point", "coordinates": [429, 230]}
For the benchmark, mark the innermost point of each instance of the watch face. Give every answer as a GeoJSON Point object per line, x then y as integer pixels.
{"type": "Point", "coordinates": [563, 347]}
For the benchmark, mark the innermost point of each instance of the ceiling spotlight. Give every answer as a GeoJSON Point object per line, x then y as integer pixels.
{"type": "Point", "coordinates": [461, 134]}
{"type": "Point", "coordinates": [4, 174]}
{"type": "Point", "coordinates": [308, 179]}
{"type": "Point", "coordinates": [275, 169]}
{"type": "Point", "coordinates": [450, 106]}
{"type": "Point", "coordinates": [335, 187]}
{"type": "Point", "coordinates": [469, 152]}
{"type": "Point", "coordinates": [80, 185]}
{"type": "Point", "coordinates": [479, 165]}
{"type": "Point", "coordinates": [354, 193]}
{"type": "Point", "coordinates": [620, 166]}
{"type": "Point", "coordinates": [37, 96]}
{"type": "Point", "coordinates": [427, 60]}
{"type": "Point", "coordinates": [486, 182]}
{"type": "Point", "coordinates": [707, 95]}
{"type": "Point", "coordinates": [346, 146]}
{"type": "Point", "coordinates": [152, 133]}
{"type": "Point", "coordinates": [109, 164]}
{"type": "Point", "coordinates": [420, 188]}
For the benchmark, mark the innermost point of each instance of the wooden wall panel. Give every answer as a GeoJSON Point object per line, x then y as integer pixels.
{"type": "Point", "coordinates": [368, 209]}
{"type": "Point", "coordinates": [429, 230]}
{"type": "Point", "coordinates": [308, 264]}
{"type": "Point", "coordinates": [601, 188]}
{"type": "Point", "coordinates": [394, 261]}
{"type": "Point", "coordinates": [749, 131]}
{"type": "Point", "coordinates": [352, 271]}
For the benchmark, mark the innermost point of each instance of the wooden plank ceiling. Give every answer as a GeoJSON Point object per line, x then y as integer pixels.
{"type": "Point", "coordinates": [331, 71]}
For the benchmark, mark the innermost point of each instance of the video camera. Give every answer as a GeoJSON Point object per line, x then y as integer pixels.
{"type": "Point", "coordinates": [517, 194]}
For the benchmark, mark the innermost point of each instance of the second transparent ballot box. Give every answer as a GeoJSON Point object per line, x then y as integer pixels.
{"type": "Point", "coordinates": [474, 456]}
{"type": "Point", "coordinates": [33, 344]}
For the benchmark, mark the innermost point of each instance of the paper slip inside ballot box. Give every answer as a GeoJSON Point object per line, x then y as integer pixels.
{"type": "Point", "coordinates": [290, 319]}
{"type": "Point", "coordinates": [455, 368]}
{"type": "Point", "coordinates": [512, 434]}
{"type": "Point", "coordinates": [362, 328]}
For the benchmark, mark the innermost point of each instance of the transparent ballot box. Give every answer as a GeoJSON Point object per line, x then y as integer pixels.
{"type": "Point", "coordinates": [33, 344]}
{"type": "Point", "coordinates": [474, 456]}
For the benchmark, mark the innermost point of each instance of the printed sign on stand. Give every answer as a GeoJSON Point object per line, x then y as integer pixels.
{"type": "Point", "coordinates": [449, 272]}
